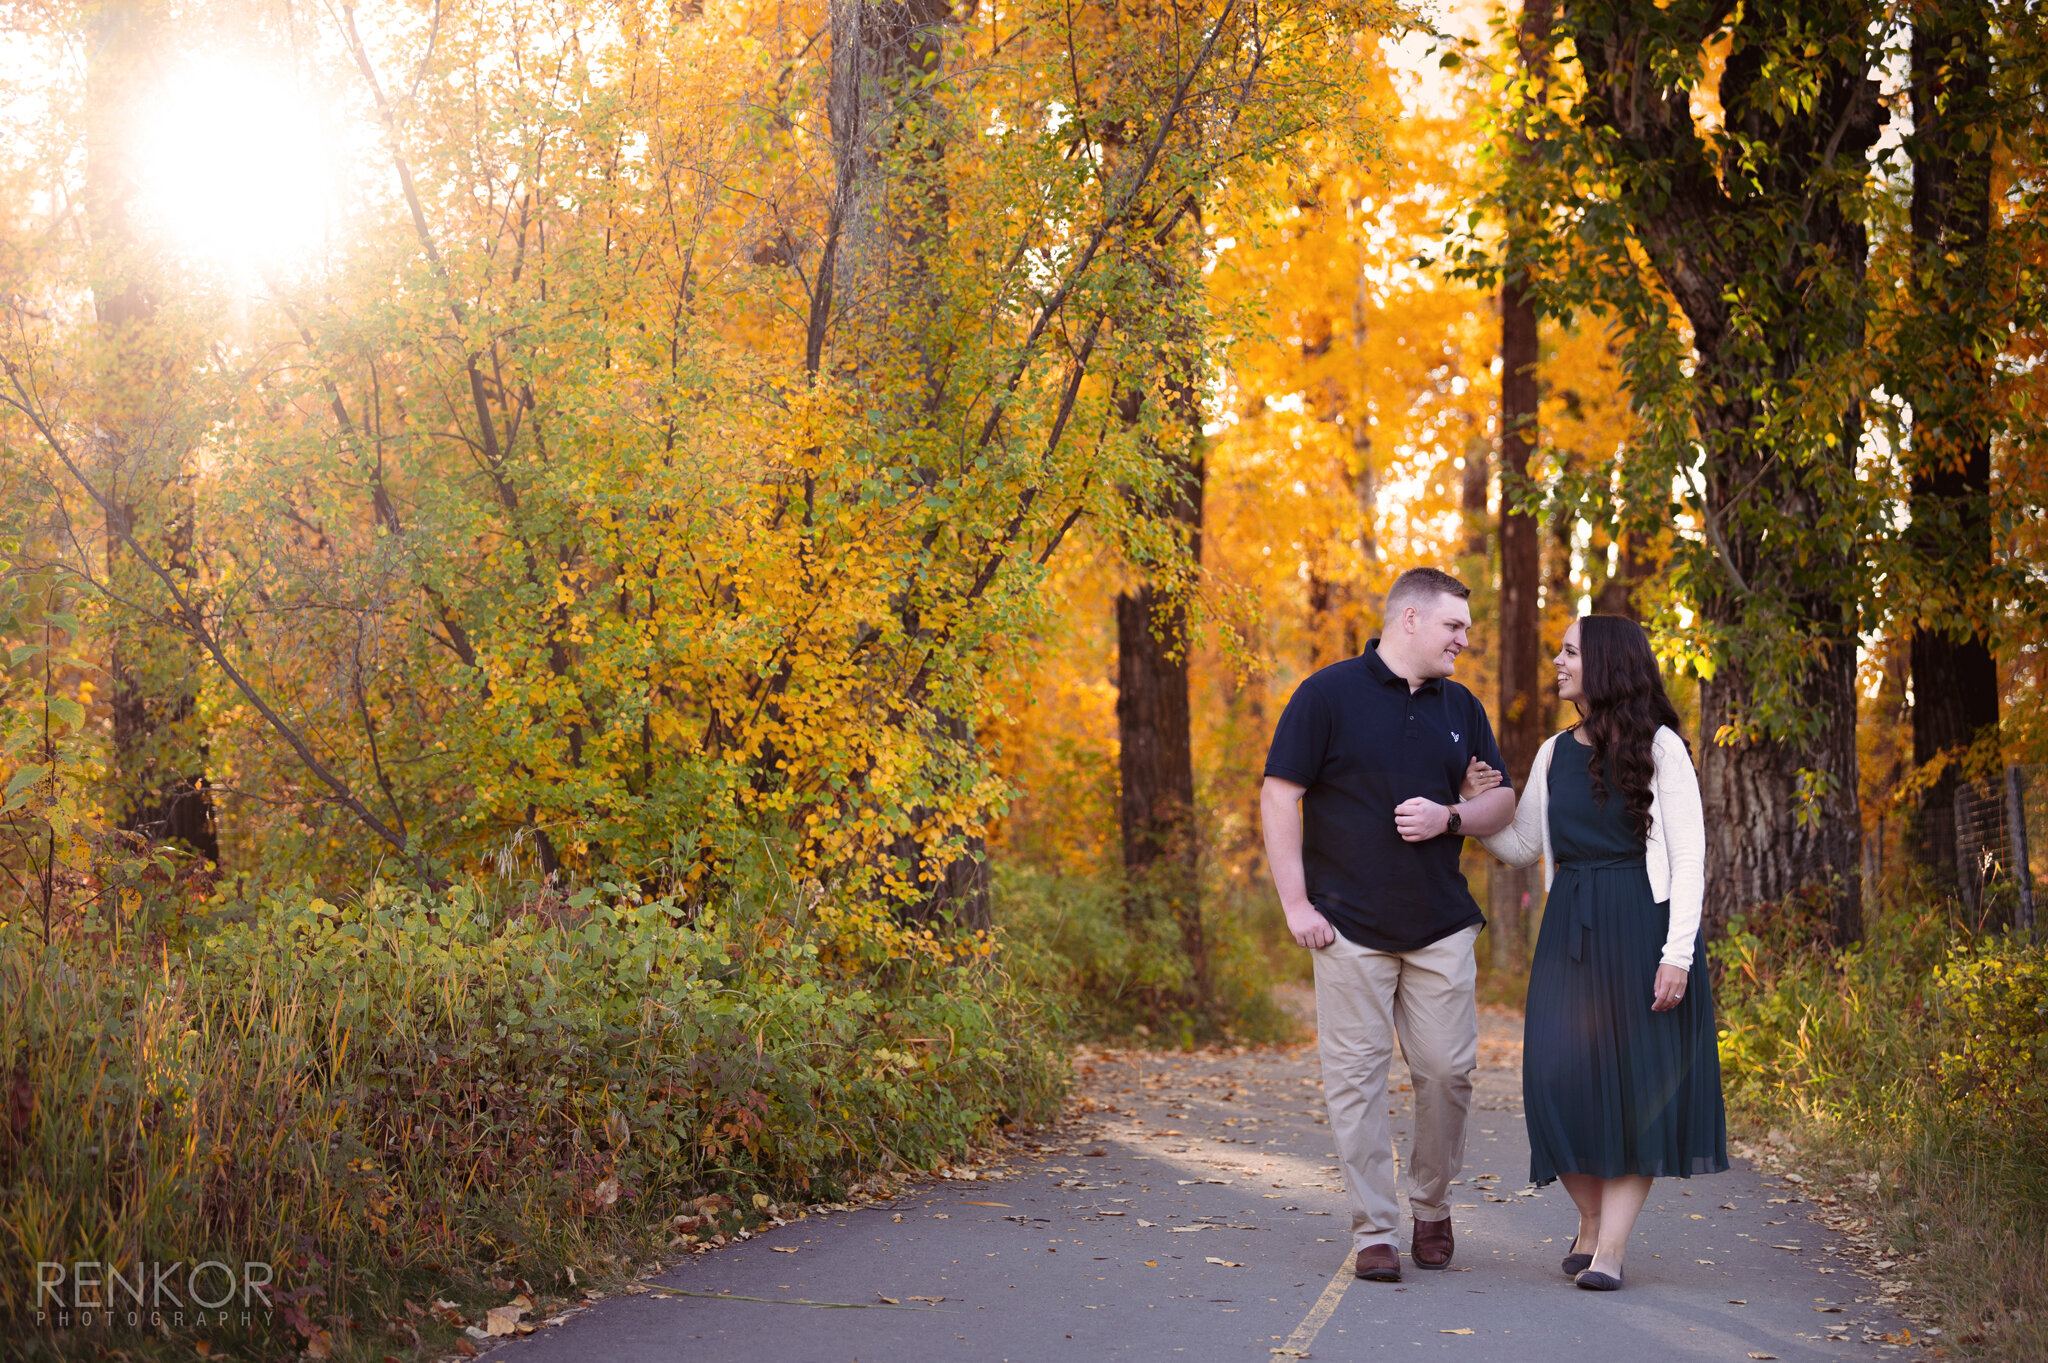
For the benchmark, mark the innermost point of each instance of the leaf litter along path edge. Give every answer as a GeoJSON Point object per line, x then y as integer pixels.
{"type": "Point", "coordinates": [1218, 1155]}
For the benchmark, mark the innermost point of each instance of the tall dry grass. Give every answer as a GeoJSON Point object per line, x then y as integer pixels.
{"type": "Point", "coordinates": [1919, 1057]}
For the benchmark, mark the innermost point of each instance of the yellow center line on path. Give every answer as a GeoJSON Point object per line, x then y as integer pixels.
{"type": "Point", "coordinates": [1297, 1344]}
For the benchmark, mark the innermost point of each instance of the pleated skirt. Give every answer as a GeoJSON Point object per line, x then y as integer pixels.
{"type": "Point", "coordinates": [1609, 1086]}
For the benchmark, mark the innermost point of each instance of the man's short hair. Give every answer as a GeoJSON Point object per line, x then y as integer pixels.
{"type": "Point", "coordinates": [1420, 586]}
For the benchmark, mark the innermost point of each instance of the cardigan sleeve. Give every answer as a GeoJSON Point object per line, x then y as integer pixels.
{"type": "Point", "coordinates": [1685, 842]}
{"type": "Point", "coordinates": [1521, 842]}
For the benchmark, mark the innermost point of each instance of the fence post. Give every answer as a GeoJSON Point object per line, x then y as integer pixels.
{"type": "Point", "coordinates": [2016, 824]}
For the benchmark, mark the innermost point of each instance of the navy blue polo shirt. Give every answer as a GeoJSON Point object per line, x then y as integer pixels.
{"type": "Point", "coordinates": [1362, 743]}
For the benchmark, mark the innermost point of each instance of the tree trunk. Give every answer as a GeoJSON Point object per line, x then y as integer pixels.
{"type": "Point", "coordinates": [1155, 760]}
{"type": "Point", "coordinates": [1766, 841]}
{"type": "Point", "coordinates": [876, 291]}
{"type": "Point", "coordinates": [1511, 889]}
{"type": "Point", "coordinates": [1472, 495]}
{"type": "Point", "coordinates": [1521, 566]}
{"type": "Point", "coordinates": [883, 51]}
{"type": "Point", "coordinates": [159, 748]}
{"type": "Point", "coordinates": [1955, 676]}
{"type": "Point", "coordinates": [1766, 257]}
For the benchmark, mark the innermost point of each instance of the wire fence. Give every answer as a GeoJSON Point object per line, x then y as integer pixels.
{"type": "Point", "coordinates": [2002, 844]}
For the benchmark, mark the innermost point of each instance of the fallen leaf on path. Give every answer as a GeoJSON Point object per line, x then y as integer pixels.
{"type": "Point", "coordinates": [502, 1320]}
{"type": "Point", "coordinates": [785, 1249]}
{"type": "Point", "coordinates": [1151, 1263]}
{"type": "Point", "coordinates": [1461, 1330]}
{"type": "Point", "coordinates": [1763, 1355]}
{"type": "Point", "coordinates": [1829, 1310]}
{"type": "Point", "coordinates": [984, 1204]}
{"type": "Point", "coordinates": [933, 1300]}
{"type": "Point", "coordinates": [1143, 1222]}
{"type": "Point", "coordinates": [1107, 1212]}
{"type": "Point", "coordinates": [1796, 1249]}
{"type": "Point", "coordinates": [887, 1301]}
{"type": "Point", "coordinates": [1222, 1263]}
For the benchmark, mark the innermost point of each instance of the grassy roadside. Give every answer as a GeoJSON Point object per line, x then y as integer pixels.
{"type": "Point", "coordinates": [412, 1110]}
{"type": "Point", "coordinates": [1906, 1081]}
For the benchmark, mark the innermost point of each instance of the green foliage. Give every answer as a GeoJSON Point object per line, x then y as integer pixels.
{"type": "Point", "coordinates": [1115, 956]}
{"type": "Point", "coordinates": [673, 463]}
{"type": "Point", "coordinates": [358, 1092]}
{"type": "Point", "coordinates": [1993, 997]}
{"type": "Point", "coordinates": [1727, 256]}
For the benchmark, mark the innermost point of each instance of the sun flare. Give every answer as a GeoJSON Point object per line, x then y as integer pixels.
{"type": "Point", "coordinates": [236, 166]}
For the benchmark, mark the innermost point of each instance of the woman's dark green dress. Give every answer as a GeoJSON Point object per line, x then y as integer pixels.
{"type": "Point", "coordinates": [1609, 1086]}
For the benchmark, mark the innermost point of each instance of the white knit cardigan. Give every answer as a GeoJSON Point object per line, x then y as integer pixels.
{"type": "Point", "coordinates": [1675, 856]}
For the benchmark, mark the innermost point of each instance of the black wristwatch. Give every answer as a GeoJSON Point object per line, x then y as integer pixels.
{"type": "Point", "coordinates": [1457, 820]}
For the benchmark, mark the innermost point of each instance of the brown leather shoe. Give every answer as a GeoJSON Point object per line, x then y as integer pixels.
{"type": "Point", "coordinates": [1378, 1263]}
{"type": "Point", "coordinates": [1432, 1245]}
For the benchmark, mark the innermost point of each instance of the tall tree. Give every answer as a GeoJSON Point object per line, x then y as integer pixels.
{"type": "Point", "coordinates": [877, 306]}
{"type": "Point", "coordinates": [1945, 374]}
{"type": "Point", "coordinates": [1746, 220]}
{"type": "Point", "coordinates": [1521, 570]}
{"type": "Point", "coordinates": [1155, 741]}
{"type": "Point", "coordinates": [160, 788]}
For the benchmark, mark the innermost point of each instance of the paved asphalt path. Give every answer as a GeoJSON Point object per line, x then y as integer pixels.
{"type": "Point", "coordinates": [1192, 1210]}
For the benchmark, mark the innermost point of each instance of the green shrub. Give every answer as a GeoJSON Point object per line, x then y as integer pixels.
{"type": "Point", "coordinates": [1117, 957]}
{"type": "Point", "coordinates": [1993, 1000]}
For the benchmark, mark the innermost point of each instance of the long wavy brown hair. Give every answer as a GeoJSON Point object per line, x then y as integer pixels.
{"type": "Point", "coordinates": [1624, 706]}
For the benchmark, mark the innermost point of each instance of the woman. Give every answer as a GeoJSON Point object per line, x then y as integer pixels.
{"type": "Point", "coordinates": [1621, 1082]}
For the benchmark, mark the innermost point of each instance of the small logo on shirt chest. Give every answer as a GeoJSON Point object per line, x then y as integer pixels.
{"type": "Point", "coordinates": [1457, 737]}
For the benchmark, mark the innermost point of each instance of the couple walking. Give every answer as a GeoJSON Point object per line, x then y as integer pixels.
{"type": "Point", "coordinates": [1379, 769]}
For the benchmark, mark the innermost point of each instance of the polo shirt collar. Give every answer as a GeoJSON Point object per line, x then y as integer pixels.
{"type": "Point", "coordinates": [1386, 675]}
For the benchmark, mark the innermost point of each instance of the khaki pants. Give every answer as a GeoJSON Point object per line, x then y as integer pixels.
{"type": "Point", "coordinates": [1364, 1000]}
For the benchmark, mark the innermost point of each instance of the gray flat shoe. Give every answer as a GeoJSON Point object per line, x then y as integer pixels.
{"type": "Point", "coordinates": [1598, 1282]}
{"type": "Point", "coordinates": [1576, 1263]}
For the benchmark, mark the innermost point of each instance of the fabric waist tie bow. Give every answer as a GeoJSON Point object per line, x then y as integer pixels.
{"type": "Point", "coordinates": [1574, 884]}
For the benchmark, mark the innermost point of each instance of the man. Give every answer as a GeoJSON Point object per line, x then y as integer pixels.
{"type": "Point", "coordinates": [1363, 827]}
